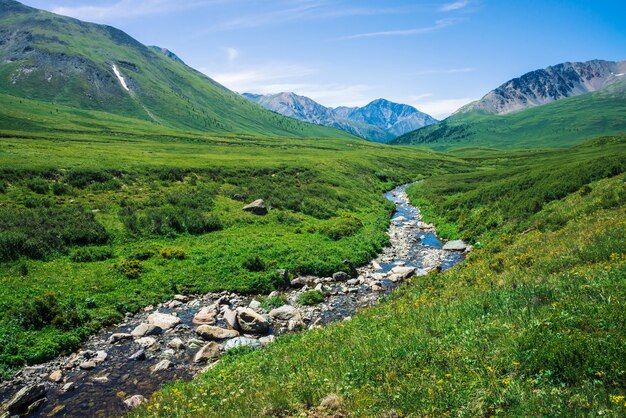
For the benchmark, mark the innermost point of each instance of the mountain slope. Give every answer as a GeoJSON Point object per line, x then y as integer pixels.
{"type": "Point", "coordinates": [562, 123]}
{"type": "Point", "coordinates": [379, 121]}
{"type": "Point", "coordinates": [62, 60]}
{"type": "Point", "coordinates": [547, 85]}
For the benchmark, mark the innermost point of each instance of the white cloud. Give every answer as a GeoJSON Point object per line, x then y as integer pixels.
{"type": "Point", "coordinates": [439, 24]}
{"type": "Point", "coordinates": [232, 54]}
{"type": "Point", "coordinates": [243, 80]}
{"type": "Point", "coordinates": [128, 9]}
{"type": "Point", "coordinates": [457, 5]}
{"type": "Point", "coordinates": [442, 108]}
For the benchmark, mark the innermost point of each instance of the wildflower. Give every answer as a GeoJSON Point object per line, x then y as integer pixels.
{"type": "Point", "coordinates": [515, 363]}
{"type": "Point", "coordinates": [616, 399]}
{"type": "Point", "coordinates": [506, 381]}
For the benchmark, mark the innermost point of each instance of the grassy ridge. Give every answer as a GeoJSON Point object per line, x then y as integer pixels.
{"type": "Point", "coordinates": [563, 123]}
{"type": "Point", "coordinates": [57, 59]}
{"type": "Point", "coordinates": [160, 213]}
{"type": "Point", "coordinates": [531, 324]}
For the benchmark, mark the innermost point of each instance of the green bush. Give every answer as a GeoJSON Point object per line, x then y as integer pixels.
{"type": "Point", "coordinates": [273, 302]}
{"type": "Point", "coordinates": [59, 189]}
{"type": "Point", "coordinates": [39, 232]}
{"type": "Point", "coordinates": [169, 220]}
{"type": "Point", "coordinates": [342, 227]}
{"type": "Point", "coordinates": [253, 263]}
{"type": "Point", "coordinates": [81, 179]}
{"type": "Point", "coordinates": [38, 185]}
{"type": "Point", "coordinates": [90, 254]}
{"type": "Point", "coordinates": [132, 269]}
{"type": "Point", "coordinates": [172, 253]}
{"type": "Point", "coordinates": [44, 310]}
{"type": "Point", "coordinates": [312, 297]}
{"type": "Point", "coordinates": [3, 187]}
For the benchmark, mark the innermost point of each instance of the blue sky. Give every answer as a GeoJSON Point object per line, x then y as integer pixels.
{"type": "Point", "coordinates": [434, 55]}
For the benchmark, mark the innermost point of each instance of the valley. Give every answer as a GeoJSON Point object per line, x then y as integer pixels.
{"type": "Point", "coordinates": [170, 248]}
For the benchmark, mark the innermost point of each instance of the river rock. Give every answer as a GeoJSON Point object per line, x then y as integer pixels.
{"type": "Point", "coordinates": [25, 397]}
{"type": "Point", "coordinates": [148, 343]}
{"type": "Point", "coordinates": [267, 340]}
{"type": "Point", "coordinates": [176, 344]}
{"type": "Point", "coordinates": [242, 342]}
{"type": "Point", "coordinates": [35, 406]}
{"type": "Point", "coordinates": [458, 245]}
{"type": "Point", "coordinates": [56, 376]}
{"type": "Point", "coordinates": [100, 357]}
{"type": "Point", "coordinates": [119, 336]}
{"type": "Point", "coordinates": [181, 298]}
{"type": "Point", "coordinates": [257, 207]}
{"type": "Point", "coordinates": [138, 356]}
{"type": "Point", "coordinates": [252, 322]}
{"type": "Point", "coordinates": [68, 387]}
{"type": "Point", "coordinates": [299, 282]}
{"type": "Point", "coordinates": [206, 316]}
{"type": "Point", "coordinates": [403, 272]}
{"type": "Point", "coordinates": [284, 313]}
{"type": "Point", "coordinates": [162, 365]}
{"type": "Point", "coordinates": [164, 321]}
{"type": "Point", "coordinates": [212, 333]}
{"type": "Point", "coordinates": [230, 317]}
{"type": "Point", "coordinates": [143, 330]}
{"type": "Point", "coordinates": [135, 401]}
{"type": "Point", "coordinates": [341, 276]}
{"type": "Point", "coordinates": [209, 352]}
{"type": "Point", "coordinates": [88, 365]}
{"type": "Point", "coordinates": [254, 304]}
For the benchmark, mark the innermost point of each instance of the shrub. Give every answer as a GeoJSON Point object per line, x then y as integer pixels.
{"type": "Point", "coordinates": [312, 297]}
{"type": "Point", "coordinates": [3, 187]}
{"type": "Point", "coordinates": [59, 189]}
{"type": "Point", "coordinates": [253, 263]}
{"type": "Point", "coordinates": [82, 179]}
{"type": "Point", "coordinates": [173, 253]}
{"type": "Point", "coordinates": [38, 232]}
{"type": "Point", "coordinates": [132, 269]}
{"type": "Point", "coordinates": [90, 254]}
{"type": "Point", "coordinates": [273, 302]}
{"type": "Point", "coordinates": [342, 227]}
{"type": "Point", "coordinates": [45, 310]}
{"type": "Point", "coordinates": [38, 185]}
{"type": "Point", "coordinates": [169, 220]}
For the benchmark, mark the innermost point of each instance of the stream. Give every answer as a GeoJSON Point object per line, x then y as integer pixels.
{"type": "Point", "coordinates": [115, 366]}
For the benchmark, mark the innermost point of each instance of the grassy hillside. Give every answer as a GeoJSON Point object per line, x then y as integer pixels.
{"type": "Point", "coordinates": [531, 324]}
{"type": "Point", "coordinates": [101, 215]}
{"type": "Point", "coordinates": [563, 123]}
{"type": "Point", "coordinates": [65, 61]}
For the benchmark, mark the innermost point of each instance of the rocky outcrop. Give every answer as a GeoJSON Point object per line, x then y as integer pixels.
{"type": "Point", "coordinates": [251, 322]}
{"type": "Point", "coordinates": [209, 352]}
{"type": "Point", "coordinates": [24, 398]}
{"type": "Point", "coordinates": [257, 207]}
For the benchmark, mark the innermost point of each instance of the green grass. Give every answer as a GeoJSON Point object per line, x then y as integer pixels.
{"type": "Point", "coordinates": [144, 194]}
{"type": "Point", "coordinates": [531, 324]}
{"type": "Point", "coordinates": [562, 123]}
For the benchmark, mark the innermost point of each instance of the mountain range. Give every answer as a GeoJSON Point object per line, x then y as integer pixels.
{"type": "Point", "coordinates": [544, 86]}
{"type": "Point", "coordinates": [57, 59]}
{"type": "Point", "coordinates": [555, 107]}
{"type": "Point", "coordinates": [379, 121]}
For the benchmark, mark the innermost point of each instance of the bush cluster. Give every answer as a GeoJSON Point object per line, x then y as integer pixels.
{"type": "Point", "coordinates": [39, 232]}
{"type": "Point", "coordinates": [310, 298]}
{"type": "Point", "coordinates": [45, 310]}
{"type": "Point", "coordinates": [172, 253]}
{"type": "Point", "coordinates": [342, 227]}
{"type": "Point", "coordinates": [90, 254]}
{"type": "Point", "coordinates": [132, 269]}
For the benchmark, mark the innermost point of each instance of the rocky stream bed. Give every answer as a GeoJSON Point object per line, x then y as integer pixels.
{"type": "Point", "coordinates": [119, 367]}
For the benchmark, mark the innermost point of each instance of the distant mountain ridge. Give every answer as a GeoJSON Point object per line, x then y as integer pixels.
{"type": "Point", "coordinates": [379, 121]}
{"type": "Point", "coordinates": [61, 60]}
{"type": "Point", "coordinates": [543, 86]}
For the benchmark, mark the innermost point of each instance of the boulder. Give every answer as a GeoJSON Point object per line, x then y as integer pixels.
{"type": "Point", "coordinates": [163, 321]}
{"type": "Point", "coordinates": [212, 333]}
{"type": "Point", "coordinates": [257, 207]}
{"type": "Point", "coordinates": [341, 276]}
{"type": "Point", "coordinates": [267, 340]}
{"type": "Point", "coordinates": [403, 272]}
{"type": "Point", "coordinates": [299, 282]}
{"type": "Point", "coordinates": [162, 365]}
{"type": "Point", "coordinates": [176, 344]}
{"type": "Point", "coordinates": [147, 342]}
{"type": "Point", "coordinates": [88, 365]}
{"type": "Point", "coordinates": [135, 401]}
{"type": "Point", "coordinates": [100, 357]}
{"type": "Point", "coordinates": [284, 313]}
{"type": "Point", "coordinates": [138, 356]}
{"type": "Point", "coordinates": [56, 376]}
{"type": "Point", "coordinates": [68, 387]}
{"type": "Point", "coordinates": [143, 330]}
{"type": "Point", "coordinates": [252, 322]}
{"type": "Point", "coordinates": [242, 342]}
{"type": "Point", "coordinates": [25, 397]}
{"type": "Point", "coordinates": [119, 336]}
{"type": "Point", "coordinates": [209, 352]}
{"type": "Point", "coordinates": [230, 317]}
{"type": "Point", "coordinates": [206, 315]}
{"type": "Point", "coordinates": [254, 304]}
{"type": "Point", "coordinates": [458, 245]}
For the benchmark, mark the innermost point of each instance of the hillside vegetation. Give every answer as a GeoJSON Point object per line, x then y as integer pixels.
{"type": "Point", "coordinates": [562, 123]}
{"type": "Point", "coordinates": [101, 215]}
{"type": "Point", "coordinates": [531, 324]}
